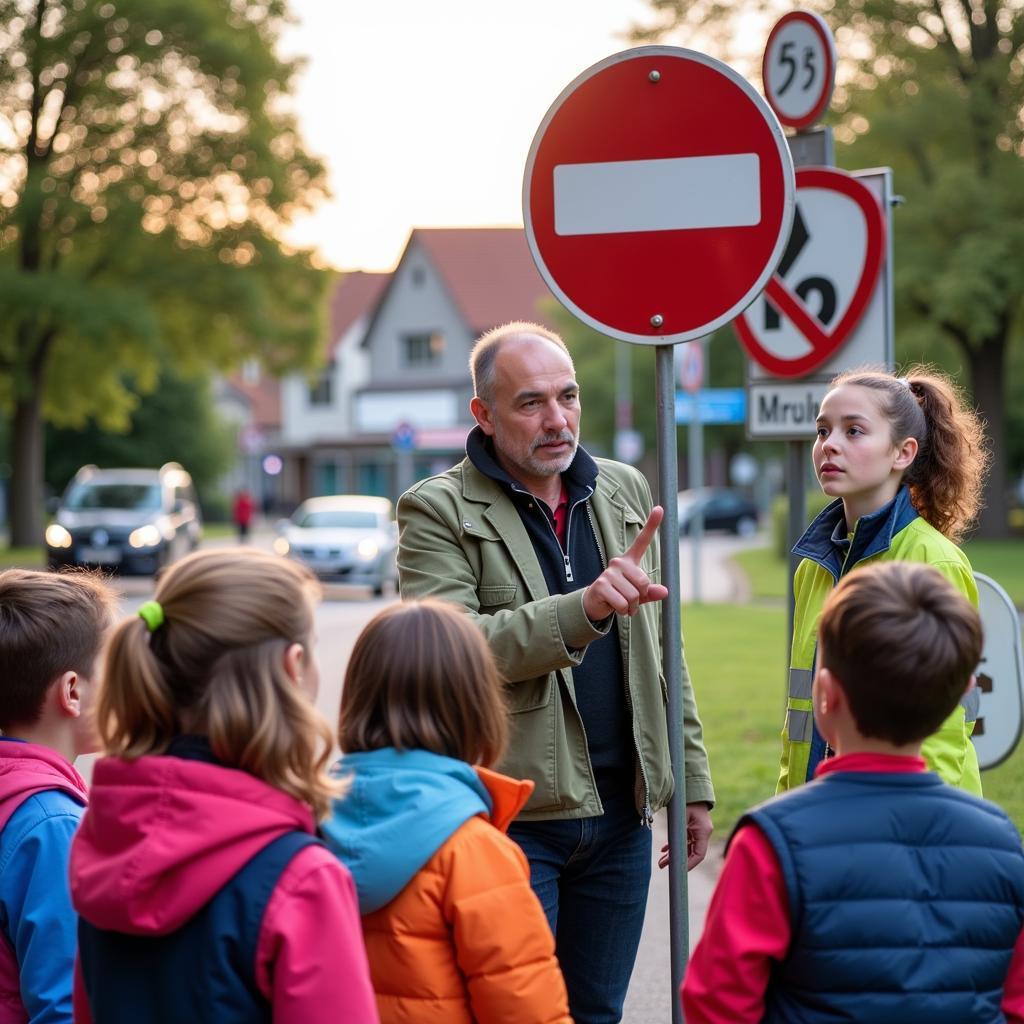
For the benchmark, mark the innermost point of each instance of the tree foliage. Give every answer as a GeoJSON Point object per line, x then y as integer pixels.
{"type": "Point", "coordinates": [935, 89]}
{"type": "Point", "coordinates": [176, 422]}
{"type": "Point", "coordinates": [148, 162]}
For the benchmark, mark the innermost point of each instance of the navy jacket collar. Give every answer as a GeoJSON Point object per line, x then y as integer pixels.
{"type": "Point", "coordinates": [580, 478]}
{"type": "Point", "coordinates": [825, 540]}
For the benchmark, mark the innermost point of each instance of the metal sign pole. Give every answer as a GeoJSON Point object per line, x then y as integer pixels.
{"type": "Point", "coordinates": [672, 661]}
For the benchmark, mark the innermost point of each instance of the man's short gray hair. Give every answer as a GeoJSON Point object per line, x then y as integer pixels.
{"type": "Point", "coordinates": [485, 351]}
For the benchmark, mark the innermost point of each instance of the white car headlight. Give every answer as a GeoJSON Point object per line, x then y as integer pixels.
{"type": "Point", "coordinates": [367, 549]}
{"type": "Point", "coordinates": [147, 536]}
{"type": "Point", "coordinates": [57, 536]}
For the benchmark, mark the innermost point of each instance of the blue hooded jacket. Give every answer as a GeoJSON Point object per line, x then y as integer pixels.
{"type": "Point", "coordinates": [401, 808]}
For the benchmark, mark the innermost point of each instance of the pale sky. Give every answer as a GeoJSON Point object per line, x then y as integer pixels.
{"type": "Point", "coordinates": [424, 110]}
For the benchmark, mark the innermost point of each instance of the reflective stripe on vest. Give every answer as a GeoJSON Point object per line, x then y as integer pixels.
{"type": "Point", "coordinates": [800, 680]}
{"type": "Point", "coordinates": [798, 726]}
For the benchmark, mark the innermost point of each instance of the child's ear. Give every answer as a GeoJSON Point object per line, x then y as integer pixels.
{"type": "Point", "coordinates": [295, 663]}
{"type": "Point", "coordinates": [828, 693]}
{"type": "Point", "coordinates": [68, 693]}
{"type": "Point", "coordinates": [906, 452]}
{"type": "Point", "coordinates": [971, 684]}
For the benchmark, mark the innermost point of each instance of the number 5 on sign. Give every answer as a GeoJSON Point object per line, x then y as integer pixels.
{"type": "Point", "coordinates": [799, 68]}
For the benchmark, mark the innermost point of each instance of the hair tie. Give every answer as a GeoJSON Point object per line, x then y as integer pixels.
{"type": "Point", "coordinates": [904, 382]}
{"type": "Point", "coordinates": [152, 613]}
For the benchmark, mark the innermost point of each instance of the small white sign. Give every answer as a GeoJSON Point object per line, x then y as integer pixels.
{"type": "Point", "coordinates": [780, 409]}
{"type": "Point", "coordinates": [799, 68]}
{"type": "Point", "coordinates": [1000, 676]}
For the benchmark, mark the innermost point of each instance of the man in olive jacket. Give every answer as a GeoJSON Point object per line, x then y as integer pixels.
{"type": "Point", "coordinates": [555, 556]}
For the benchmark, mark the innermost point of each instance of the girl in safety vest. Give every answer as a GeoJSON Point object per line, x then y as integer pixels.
{"type": "Point", "coordinates": [904, 457]}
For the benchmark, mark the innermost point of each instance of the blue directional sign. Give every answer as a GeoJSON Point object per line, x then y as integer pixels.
{"type": "Point", "coordinates": [716, 405]}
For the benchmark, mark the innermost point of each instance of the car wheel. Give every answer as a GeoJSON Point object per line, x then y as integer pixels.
{"type": "Point", "coordinates": [746, 526]}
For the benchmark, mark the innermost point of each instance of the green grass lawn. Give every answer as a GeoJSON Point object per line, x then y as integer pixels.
{"type": "Point", "coordinates": [1003, 560]}
{"type": "Point", "coordinates": [22, 558]}
{"type": "Point", "coordinates": [736, 657]}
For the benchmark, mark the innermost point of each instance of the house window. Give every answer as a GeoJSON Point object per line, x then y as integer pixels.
{"type": "Point", "coordinates": [423, 349]}
{"type": "Point", "coordinates": [321, 391]}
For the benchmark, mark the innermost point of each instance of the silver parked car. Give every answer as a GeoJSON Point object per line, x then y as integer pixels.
{"type": "Point", "coordinates": [351, 538]}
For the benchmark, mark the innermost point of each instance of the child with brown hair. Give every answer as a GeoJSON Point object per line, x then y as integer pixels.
{"type": "Point", "coordinates": [51, 630]}
{"type": "Point", "coordinates": [904, 457]}
{"type": "Point", "coordinates": [876, 893]}
{"type": "Point", "coordinates": [203, 893]}
{"type": "Point", "coordinates": [454, 933]}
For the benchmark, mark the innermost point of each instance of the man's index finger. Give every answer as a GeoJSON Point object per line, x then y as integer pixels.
{"type": "Point", "coordinates": [639, 547]}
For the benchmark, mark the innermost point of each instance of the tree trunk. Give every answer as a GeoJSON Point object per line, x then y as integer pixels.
{"type": "Point", "coordinates": [27, 472]}
{"type": "Point", "coordinates": [987, 365]}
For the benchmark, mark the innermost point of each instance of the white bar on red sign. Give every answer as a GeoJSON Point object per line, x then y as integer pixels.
{"type": "Point", "coordinates": [658, 195]}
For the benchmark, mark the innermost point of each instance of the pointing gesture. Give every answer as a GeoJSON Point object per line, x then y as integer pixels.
{"type": "Point", "coordinates": [624, 586]}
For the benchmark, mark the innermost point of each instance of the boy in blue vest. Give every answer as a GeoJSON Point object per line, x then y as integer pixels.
{"type": "Point", "coordinates": [51, 629]}
{"type": "Point", "coordinates": [877, 893]}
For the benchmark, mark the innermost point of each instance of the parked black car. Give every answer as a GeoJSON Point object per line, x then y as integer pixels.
{"type": "Point", "coordinates": [722, 508]}
{"type": "Point", "coordinates": [126, 520]}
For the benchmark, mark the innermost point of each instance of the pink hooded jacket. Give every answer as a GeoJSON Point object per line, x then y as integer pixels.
{"type": "Point", "coordinates": [27, 770]}
{"type": "Point", "coordinates": [162, 836]}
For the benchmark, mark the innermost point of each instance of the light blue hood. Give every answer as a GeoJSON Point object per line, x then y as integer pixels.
{"type": "Point", "coordinates": [401, 808]}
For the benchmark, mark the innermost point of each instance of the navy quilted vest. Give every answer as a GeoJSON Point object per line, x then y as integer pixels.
{"type": "Point", "coordinates": [204, 973]}
{"type": "Point", "coordinates": [906, 898]}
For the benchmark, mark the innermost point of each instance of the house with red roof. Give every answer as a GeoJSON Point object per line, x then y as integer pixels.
{"type": "Point", "coordinates": [391, 404]}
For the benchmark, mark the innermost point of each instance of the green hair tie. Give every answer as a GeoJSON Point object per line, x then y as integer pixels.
{"type": "Point", "coordinates": [152, 614]}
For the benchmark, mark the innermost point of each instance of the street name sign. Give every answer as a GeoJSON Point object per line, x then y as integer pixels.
{"type": "Point", "coordinates": [799, 68]}
{"type": "Point", "coordinates": [658, 195]}
{"type": "Point", "coordinates": [828, 308]}
{"type": "Point", "coordinates": [715, 405]}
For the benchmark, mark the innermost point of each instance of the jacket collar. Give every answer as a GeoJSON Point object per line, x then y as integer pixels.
{"type": "Point", "coordinates": [826, 542]}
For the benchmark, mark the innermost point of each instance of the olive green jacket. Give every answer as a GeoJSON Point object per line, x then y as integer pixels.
{"type": "Point", "coordinates": [462, 540]}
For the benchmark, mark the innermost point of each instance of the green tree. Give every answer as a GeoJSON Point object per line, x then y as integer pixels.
{"type": "Point", "coordinates": [935, 89]}
{"type": "Point", "coordinates": [176, 422]}
{"type": "Point", "coordinates": [148, 161]}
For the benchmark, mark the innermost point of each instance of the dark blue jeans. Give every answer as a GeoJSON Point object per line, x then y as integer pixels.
{"type": "Point", "coordinates": [591, 877]}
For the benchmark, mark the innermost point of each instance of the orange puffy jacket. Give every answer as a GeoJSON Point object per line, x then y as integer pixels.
{"type": "Point", "coordinates": [466, 940]}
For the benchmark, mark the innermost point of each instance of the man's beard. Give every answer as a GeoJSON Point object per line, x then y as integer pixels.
{"type": "Point", "coordinates": [529, 462]}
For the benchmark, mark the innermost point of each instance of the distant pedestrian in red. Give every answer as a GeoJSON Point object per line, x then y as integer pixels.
{"type": "Point", "coordinates": [241, 513]}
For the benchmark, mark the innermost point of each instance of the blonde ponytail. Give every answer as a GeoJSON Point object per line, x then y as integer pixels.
{"type": "Point", "coordinates": [216, 666]}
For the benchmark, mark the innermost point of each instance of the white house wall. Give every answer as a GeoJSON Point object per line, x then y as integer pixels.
{"type": "Point", "coordinates": [305, 423]}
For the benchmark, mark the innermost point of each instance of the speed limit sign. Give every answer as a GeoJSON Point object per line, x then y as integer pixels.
{"type": "Point", "coordinates": [799, 68]}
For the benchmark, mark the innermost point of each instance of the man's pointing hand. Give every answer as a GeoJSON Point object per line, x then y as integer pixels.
{"type": "Point", "coordinates": [624, 586]}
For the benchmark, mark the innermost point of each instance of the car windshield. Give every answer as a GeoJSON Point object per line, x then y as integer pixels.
{"type": "Point", "coordinates": [344, 519]}
{"type": "Point", "coordinates": [133, 497]}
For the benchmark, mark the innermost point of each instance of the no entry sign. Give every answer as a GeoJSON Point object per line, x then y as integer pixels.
{"type": "Point", "coordinates": [825, 279]}
{"type": "Point", "coordinates": [658, 195]}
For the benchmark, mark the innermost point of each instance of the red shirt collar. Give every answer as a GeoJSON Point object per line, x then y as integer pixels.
{"type": "Point", "coordinates": [561, 513]}
{"type": "Point", "coordinates": [898, 763]}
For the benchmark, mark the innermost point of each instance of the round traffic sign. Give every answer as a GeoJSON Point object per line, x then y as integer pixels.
{"type": "Point", "coordinates": [799, 68]}
{"type": "Point", "coordinates": [658, 195]}
{"type": "Point", "coordinates": [825, 280]}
